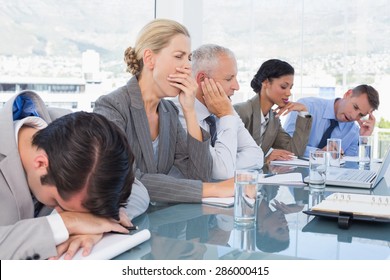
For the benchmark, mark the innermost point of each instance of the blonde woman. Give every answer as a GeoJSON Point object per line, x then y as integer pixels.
{"type": "Point", "coordinates": [171, 163]}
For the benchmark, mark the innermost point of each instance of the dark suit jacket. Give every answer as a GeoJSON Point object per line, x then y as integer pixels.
{"type": "Point", "coordinates": [275, 136]}
{"type": "Point", "coordinates": [176, 150]}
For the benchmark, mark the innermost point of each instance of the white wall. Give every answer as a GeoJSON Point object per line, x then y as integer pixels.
{"type": "Point", "coordinates": [189, 13]}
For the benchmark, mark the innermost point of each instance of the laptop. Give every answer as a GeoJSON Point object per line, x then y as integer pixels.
{"type": "Point", "coordinates": [356, 178]}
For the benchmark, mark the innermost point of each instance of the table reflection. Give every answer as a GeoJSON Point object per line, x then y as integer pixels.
{"type": "Point", "coordinates": [282, 231]}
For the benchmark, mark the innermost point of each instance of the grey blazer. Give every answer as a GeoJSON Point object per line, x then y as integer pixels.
{"type": "Point", "coordinates": [21, 236]}
{"type": "Point", "coordinates": [176, 150]}
{"type": "Point", "coordinates": [275, 136]}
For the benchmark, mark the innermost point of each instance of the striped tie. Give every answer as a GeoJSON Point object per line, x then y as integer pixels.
{"type": "Point", "coordinates": [213, 128]}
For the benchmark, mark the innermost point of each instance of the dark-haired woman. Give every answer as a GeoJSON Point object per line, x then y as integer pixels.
{"type": "Point", "coordinates": [272, 84]}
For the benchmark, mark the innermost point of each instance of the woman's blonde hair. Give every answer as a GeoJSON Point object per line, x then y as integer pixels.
{"type": "Point", "coordinates": [155, 36]}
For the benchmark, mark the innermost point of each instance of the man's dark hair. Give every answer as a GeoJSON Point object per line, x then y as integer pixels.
{"type": "Point", "coordinates": [372, 94]}
{"type": "Point", "coordinates": [86, 150]}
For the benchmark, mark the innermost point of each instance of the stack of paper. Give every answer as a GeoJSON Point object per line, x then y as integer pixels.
{"type": "Point", "coordinates": [219, 201]}
{"type": "Point", "coordinates": [112, 245]}
{"type": "Point", "coordinates": [282, 179]}
{"type": "Point", "coordinates": [294, 161]}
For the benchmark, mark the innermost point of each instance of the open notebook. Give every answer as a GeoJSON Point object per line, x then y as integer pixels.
{"type": "Point", "coordinates": [113, 244]}
{"type": "Point", "coordinates": [356, 206]}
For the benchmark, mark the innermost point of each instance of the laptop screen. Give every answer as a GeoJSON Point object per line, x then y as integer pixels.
{"type": "Point", "coordinates": [383, 168]}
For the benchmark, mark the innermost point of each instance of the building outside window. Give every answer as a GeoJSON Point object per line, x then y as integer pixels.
{"type": "Point", "coordinates": [333, 45]}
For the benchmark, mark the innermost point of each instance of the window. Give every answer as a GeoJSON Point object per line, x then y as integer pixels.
{"type": "Point", "coordinates": [47, 39]}
{"type": "Point", "coordinates": [333, 45]}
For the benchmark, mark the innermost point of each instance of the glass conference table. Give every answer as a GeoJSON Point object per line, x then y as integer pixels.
{"type": "Point", "coordinates": [283, 231]}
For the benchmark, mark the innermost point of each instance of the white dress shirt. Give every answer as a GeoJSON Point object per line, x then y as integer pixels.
{"type": "Point", "coordinates": [57, 226]}
{"type": "Point", "coordinates": [234, 147]}
{"type": "Point", "coordinates": [264, 123]}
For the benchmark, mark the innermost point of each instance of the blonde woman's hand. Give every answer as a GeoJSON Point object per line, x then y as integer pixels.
{"type": "Point", "coordinates": [183, 80]}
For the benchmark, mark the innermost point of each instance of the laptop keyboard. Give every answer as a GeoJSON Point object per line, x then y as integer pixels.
{"type": "Point", "coordinates": [356, 175]}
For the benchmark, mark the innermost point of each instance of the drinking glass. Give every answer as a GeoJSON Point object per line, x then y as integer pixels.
{"type": "Point", "coordinates": [334, 149]}
{"type": "Point", "coordinates": [245, 193]}
{"type": "Point", "coordinates": [318, 164]}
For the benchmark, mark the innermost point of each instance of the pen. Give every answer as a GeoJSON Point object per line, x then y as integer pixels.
{"type": "Point", "coordinates": [128, 228]}
{"type": "Point", "coordinates": [131, 227]}
{"type": "Point", "coordinates": [269, 175]}
{"type": "Point", "coordinates": [303, 158]}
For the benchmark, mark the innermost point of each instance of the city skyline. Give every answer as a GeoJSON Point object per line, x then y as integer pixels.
{"type": "Point", "coordinates": [328, 42]}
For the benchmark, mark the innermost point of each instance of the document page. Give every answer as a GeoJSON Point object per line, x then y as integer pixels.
{"type": "Point", "coordinates": [281, 179]}
{"type": "Point", "coordinates": [112, 245]}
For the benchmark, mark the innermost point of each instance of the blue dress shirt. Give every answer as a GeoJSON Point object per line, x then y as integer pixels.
{"type": "Point", "coordinates": [322, 111]}
{"type": "Point", "coordinates": [23, 107]}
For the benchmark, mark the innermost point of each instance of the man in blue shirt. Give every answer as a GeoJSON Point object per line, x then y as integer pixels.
{"type": "Point", "coordinates": [335, 118]}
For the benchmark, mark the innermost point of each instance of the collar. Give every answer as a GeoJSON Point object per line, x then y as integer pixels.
{"type": "Point", "coordinates": [330, 114]}
{"type": "Point", "coordinates": [329, 109]}
{"type": "Point", "coordinates": [6, 120]}
{"type": "Point", "coordinates": [264, 119]}
{"type": "Point", "coordinates": [201, 111]}
{"type": "Point", "coordinates": [35, 122]}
